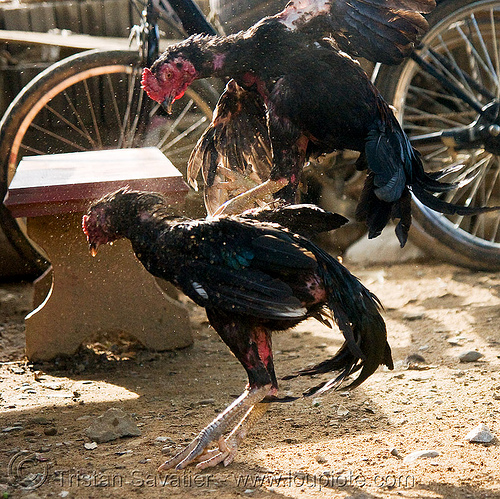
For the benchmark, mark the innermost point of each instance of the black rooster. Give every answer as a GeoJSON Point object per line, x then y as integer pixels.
{"type": "Point", "coordinates": [296, 95]}
{"type": "Point", "coordinates": [253, 277]}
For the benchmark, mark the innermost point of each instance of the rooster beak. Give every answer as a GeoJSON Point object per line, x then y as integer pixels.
{"type": "Point", "coordinates": [167, 104]}
{"type": "Point", "coordinates": [93, 248]}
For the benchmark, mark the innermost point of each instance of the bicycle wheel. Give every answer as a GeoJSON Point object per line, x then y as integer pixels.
{"type": "Point", "coordinates": [463, 45]}
{"type": "Point", "coordinates": [93, 101]}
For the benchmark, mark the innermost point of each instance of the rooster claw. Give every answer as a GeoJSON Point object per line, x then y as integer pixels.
{"type": "Point", "coordinates": [241, 412]}
{"type": "Point", "coordinates": [184, 457]}
{"type": "Point", "coordinates": [246, 200]}
{"type": "Point", "coordinates": [223, 454]}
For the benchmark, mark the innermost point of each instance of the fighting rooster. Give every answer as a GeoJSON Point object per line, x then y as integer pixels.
{"type": "Point", "coordinates": [253, 277]}
{"type": "Point", "coordinates": [295, 95]}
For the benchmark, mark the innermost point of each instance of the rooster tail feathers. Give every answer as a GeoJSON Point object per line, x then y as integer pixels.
{"type": "Point", "coordinates": [356, 312]}
{"type": "Point", "coordinates": [372, 210]}
{"type": "Point", "coordinates": [394, 162]}
{"type": "Point", "coordinates": [436, 204]}
{"type": "Point", "coordinates": [401, 210]}
{"type": "Point", "coordinates": [395, 167]}
{"type": "Point", "coordinates": [424, 185]}
{"type": "Point", "coordinates": [377, 213]}
{"type": "Point", "coordinates": [346, 364]}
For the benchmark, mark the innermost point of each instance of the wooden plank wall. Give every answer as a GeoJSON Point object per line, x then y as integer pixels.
{"type": "Point", "coordinates": [90, 17]}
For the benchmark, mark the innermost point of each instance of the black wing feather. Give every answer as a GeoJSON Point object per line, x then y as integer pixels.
{"type": "Point", "coordinates": [380, 30]}
{"type": "Point", "coordinates": [308, 220]}
{"type": "Point", "coordinates": [244, 291]}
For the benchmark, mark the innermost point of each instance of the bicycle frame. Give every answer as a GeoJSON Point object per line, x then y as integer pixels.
{"type": "Point", "coordinates": [191, 17]}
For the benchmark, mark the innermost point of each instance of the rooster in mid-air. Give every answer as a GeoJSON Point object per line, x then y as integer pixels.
{"type": "Point", "coordinates": [253, 277]}
{"type": "Point", "coordinates": [296, 94]}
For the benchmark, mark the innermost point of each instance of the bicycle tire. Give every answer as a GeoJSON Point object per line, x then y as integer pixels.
{"type": "Point", "coordinates": [425, 106]}
{"type": "Point", "coordinates": [91, 101]}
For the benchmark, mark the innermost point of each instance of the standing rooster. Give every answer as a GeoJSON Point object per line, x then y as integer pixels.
{"type": "Point", "coordinates": [252, 277]}
{"type": "Point", "coordinates": [296, 95]}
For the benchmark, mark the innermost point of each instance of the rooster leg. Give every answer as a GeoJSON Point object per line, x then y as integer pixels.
{"type": "Point", "coordinates": [251, 344]}
{"type": "Point", "coordinates": [235, 181]}
{"type": "Point", "coordinates": [228, 447]}
{"type": "Point", "coordinates": [231, 417]}
{"type": "Point", "coordinates": [247, 199]}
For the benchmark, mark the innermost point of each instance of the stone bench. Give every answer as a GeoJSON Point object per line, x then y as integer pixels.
{"type": "Point", "coordinates": [82, 296]}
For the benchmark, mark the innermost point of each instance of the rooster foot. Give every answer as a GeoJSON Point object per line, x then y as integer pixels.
{"type": "Point", "coordinates": [239, 416]}
{"type": "Point", "coordinates": [247, 199]}
{"type": "Point", "coordinates": [235, 180]}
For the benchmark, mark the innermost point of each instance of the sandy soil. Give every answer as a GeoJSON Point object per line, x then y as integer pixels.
{"type": "Point", "coordinates": [341, 445]}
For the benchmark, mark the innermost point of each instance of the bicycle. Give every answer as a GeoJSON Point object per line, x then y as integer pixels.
{"type": "Point", "coordinates": [447, 98]}
{"type": "Point", "coordinates": [93, 100]}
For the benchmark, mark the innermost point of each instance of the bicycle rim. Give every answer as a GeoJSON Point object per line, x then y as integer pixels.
{"type": "Point", "coordinates": [93, 101]}
{"type": "Point", "coordinates": [100, 107]}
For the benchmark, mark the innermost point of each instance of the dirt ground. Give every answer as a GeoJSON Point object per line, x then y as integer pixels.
{"type": "Point", "coordinates": [342, 445]}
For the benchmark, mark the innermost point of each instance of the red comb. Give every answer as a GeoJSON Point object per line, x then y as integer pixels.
{"type": "Point", "coordinates": [151, 86]}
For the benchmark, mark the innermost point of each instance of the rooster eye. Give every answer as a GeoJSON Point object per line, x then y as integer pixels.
{"type": "Point", "coordinates": [168, 75]}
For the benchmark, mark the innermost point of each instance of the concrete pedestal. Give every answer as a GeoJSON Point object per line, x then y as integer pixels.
{"type": "Point", "coordinates": [81, 296]}
{"type": "Point", "coordinates": [109, 293]}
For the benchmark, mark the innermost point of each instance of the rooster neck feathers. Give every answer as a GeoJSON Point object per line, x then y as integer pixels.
{"type": "Point", "coordinates": [243, 52]}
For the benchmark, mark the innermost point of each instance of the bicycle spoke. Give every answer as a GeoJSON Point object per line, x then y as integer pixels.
{"type": "Point", "coordinates": [176, 122]}
{"type": "Point", "coordinates": [30, 149]}
{"type": "Point", "coordinates": [54, 135]}
{"type": "Point", "coordinates": [488, 61]}
{"type": "Point", "coordinates": [426, 115]}
{"type": "Point", "coordinates": [139, 115]}
{"type": "Point", "coordinates": [449, 77]}
{"type": "Point", "coordinates": [114, 103]}
{"type": "Point", "coordinates": [78, 117]}
{"type": "Point", "coordinates": [467, 81]}
{"type": "Point", "coordinates": [495, 50]}
{"type": "Point", "coordinates": [495, 230]}
{"type": "Point", "coordinates": [449, 85]}
{"type": "Point", "coordinates": [92, 113]}
{"type": "Point", "coordinates": [83, 133]}
{"type": "Point", "coordinates": [126, 116]}
{"type": "Point", "coordinates": [437, 152]}
{"type": "Point", "coordinates": [434, 96]}
{"type": "Point", "coordinates": [494, 182]}
{"type": "Point", "coordinates": [438, 99]}
{"type": "Point", "coordinates": [476, 58]}
{"type": "Point", "coordinates": [184, 134]}
{"type": "Point", "coordinates": [179, 150]}
{"type": "Point", "coordinates": [472, 190]}
{"type": "Point", "coordinates": [451, 59]}
{"type": "Point", "coordinates": [478, 227]}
